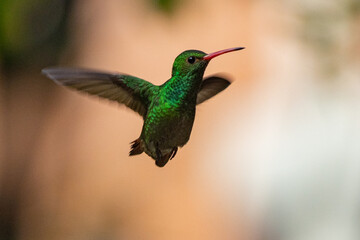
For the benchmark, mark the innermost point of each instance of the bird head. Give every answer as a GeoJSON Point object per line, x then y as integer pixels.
{"type": "Point", "coordinates": [193, 62]}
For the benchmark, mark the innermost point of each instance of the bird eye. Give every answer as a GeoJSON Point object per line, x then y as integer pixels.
{"type": "Point", "coordinates": [191, 59]}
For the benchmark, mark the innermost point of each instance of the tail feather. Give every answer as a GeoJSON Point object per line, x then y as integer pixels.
{"type": "Point", "coordinates": [160, 162]}
{"type": "Point", "coordinates": [136, 147]}
{"type": "Point", "coordinates": [173, 153]}
{"type": "Point", "coordinates": [163, 159]}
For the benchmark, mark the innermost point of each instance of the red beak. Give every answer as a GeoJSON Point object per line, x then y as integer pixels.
{"type": "Point", "coordinates": [218, 53]}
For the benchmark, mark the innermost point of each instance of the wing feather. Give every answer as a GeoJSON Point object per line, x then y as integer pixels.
{"type": "Point", "coordinates": [211, 86]}
{"type": "Point", "coordinates": [133, 92]}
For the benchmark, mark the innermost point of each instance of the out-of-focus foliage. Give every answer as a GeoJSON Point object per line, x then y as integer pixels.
{"type": "Point", "coordinates": [327, 27]}
{"type": "Point", "coordinates": [31, 31]}
{"type": "Point", "coordinates": [167, 6]}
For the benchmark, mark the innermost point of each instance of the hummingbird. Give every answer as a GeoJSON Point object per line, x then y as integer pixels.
{"type": "Point", "coordinates": [168, 110]}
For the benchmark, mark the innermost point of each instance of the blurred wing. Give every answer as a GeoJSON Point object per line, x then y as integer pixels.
{"type": "Point", "coordinates": [211, 86]}
{"type": "Point", "coordinates": [133, 92]}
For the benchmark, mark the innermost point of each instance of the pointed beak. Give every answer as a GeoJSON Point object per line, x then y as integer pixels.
{"type": "Point", "coordinates": [210, 56]}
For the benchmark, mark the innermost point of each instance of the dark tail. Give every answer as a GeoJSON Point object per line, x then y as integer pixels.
{"type": "Point", "coordinates": [163, 159]}
{"type": "Point", "coordinates": [136, 147]}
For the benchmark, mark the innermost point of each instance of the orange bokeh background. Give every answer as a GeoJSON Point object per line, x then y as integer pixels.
{"type": "Point", "coordinates": [294, 103]}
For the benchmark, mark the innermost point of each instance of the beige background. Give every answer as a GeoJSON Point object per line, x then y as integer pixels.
{"type": "Point", "coordinates": [267, 154]}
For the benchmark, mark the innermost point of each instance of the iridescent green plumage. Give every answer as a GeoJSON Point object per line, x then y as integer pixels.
{"type": "Point", "coordinates": [168, 110]}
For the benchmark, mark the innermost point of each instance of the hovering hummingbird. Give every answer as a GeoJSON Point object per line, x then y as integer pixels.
{"type": "Point", "coordinates": [168, 110]}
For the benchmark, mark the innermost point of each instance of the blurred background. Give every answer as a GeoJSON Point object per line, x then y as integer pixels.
{"type": "Point", "coordinates": [275, 156]}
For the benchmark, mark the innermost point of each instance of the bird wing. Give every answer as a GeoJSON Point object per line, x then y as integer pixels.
{"type": "Point", "coordinates": [133, 92]}
{"type": "Point", "coordinates": [211, 86]}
